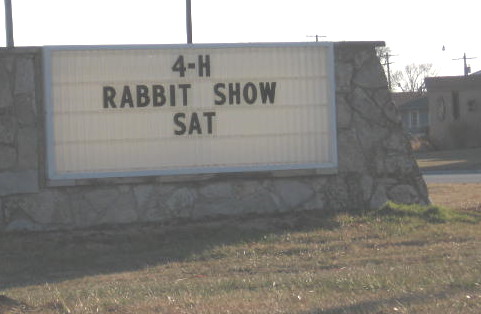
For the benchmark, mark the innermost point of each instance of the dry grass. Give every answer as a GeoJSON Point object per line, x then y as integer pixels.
{"type": "Point", "coordinates": [292, 263]}
{"type": "Point", "coordinates": [461, 196]}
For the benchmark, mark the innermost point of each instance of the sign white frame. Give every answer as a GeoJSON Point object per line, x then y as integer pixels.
{"type": "Point", "coordinates": [53, 174]}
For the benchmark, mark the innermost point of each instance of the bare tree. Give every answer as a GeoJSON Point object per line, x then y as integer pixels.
{"type": "Point", "coordinates": [412, 78]}
{"type": "Point", "coordinates": [382, 52]}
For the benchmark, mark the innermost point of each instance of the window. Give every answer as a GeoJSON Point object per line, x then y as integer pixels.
{"type": "Point", "coordinates": [472, 105]}
{"type": "Point", "coordinates": [456, 112]}
{"type": "Point", "coordinates": [414, 119]}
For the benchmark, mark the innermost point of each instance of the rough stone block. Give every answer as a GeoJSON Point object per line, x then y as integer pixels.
{"type": "Point", "coordinates": [395, 164]}
{"type": "Point", "coordinates": [343, 113]}
{"type": "Point", "coordinates": [260, 202]}
{"type": "Point", "coordinates": [216, 208]}
{"type": "Point", "coordinates": [344, 72]}
{"type": "Point", "coordinates": [25, 109]}
{"type": "Point", "coordinates": [371, 75]}
{"type": "Point", "coordinates": [317, 202]}
{"type": "Point", "coordinates": [217, 190]}
{"type": "Point", "coordinates": [46, 207]}
{"type": "Point", "coordinates": [23, 225]}
{"type": "Point", "coordinates": [361, 57]}
{"type": "Point", "coordinates": [18, 182]}
{"type": "Point", "coordinates": [8, 62]}
{"type": "Point", "coordinates": [350, 153]}
{"type": "Point", "coordinates": [337, 193]}
{"type": "Point", "coordinates": [405, 194]}
{"type": "Point", "coordinates": [122, 210]}
{"type": "Point", "coordinates": [154, 210]}
{"type": "Point", "coordinates": [24, 75]}
{"type": "Point", "coordinates": [7, 129]}
{"type": "Point", "coordinates": [181, 202]}
{"type": "Point", "coordinates": [366, 186]}
{"type": "Point", "coordinates": [27, 148]}
{"type": "Point", "coordinates": [245, 188]}
{"type": "Point", "coordinates": [369, 134]}
{"type": "Point", "coordinates": [8, 157]}
{"type": "Point", "coordinates": [102, 197]}
{"type": "Point", "coordinates": [6, 90]}
{"type": "Point", "coordinates": [366, 107]}
{"type": "Point", "coordinates": [379, 197]}
{"type": "Point", "coordinates": [2, 215]}
{"type": "Point", "coordinates": [397, 142]}
{"type": "Point", "coordinates": [422, 189]}
{"type": "Point", "coordinates": [383, 97]}
{"type": "Point", "coordinates": [142, 194]}
{"type": "Point", "coordinates": [293, 193]}
{"type": "Point", "coordinates": [82, 212]}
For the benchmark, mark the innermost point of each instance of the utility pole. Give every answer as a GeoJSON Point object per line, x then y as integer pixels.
{"type": "Point", "coordinates": [9, 23]}
{"type": "Point", "coordinates": [467, 69]}
{"type": "Point", "coordinates": [317, 37]}
{"type": "Point", "coordinates": [188, 18]}
{"type": "Point", "coordinates": [387, 56]}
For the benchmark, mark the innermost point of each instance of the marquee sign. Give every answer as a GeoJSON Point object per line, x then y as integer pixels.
{"type": "Point", "coordinates": [119, 111]}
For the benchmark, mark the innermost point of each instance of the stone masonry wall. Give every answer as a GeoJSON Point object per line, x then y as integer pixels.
{"type": "Point", "coordinates": [375, 161]}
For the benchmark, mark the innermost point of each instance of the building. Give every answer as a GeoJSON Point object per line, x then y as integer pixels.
{"type": "Point", "coordinates": [455, 111]}
{"type": "Point", "coordinates": [413, 108]}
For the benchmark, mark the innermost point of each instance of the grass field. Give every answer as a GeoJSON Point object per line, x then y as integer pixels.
{"type": "Point", "coordinates": [396, 260]}
{"type": "Point", "coordinates": [393, 261]}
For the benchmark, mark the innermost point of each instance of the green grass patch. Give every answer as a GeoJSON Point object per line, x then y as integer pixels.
{"type": "Point", "coordinates": [428, 213]}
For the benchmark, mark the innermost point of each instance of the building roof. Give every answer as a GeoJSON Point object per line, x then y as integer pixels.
{"type": "Point", "coordinates": [410, 100]}
{"type": "Point", "coordinates": [453, 82]}
{"type": "Point", "coordinates": [404, 98]}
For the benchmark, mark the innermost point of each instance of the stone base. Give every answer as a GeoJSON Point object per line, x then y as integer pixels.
{"type": "Point", "coordinates": [375, 162]}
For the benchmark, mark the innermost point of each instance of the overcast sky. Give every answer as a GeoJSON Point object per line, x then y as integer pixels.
{"type": "Point", "coordinates": [415, 30]}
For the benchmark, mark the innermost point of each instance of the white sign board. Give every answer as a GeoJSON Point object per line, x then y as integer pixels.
{"type": "Point", "coordinates": [121, 111]}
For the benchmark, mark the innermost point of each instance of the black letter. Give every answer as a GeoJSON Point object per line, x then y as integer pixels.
{"type": "Point", "coordinates": [221, 95]}
{"type": "Point", "coordinates": [172, 95]}
{"type": "Point", "coordinates": [204, 65]}
{"type": "Point", "coordinates": [268, 91]}
{"type": "Point", "coordinates": [158, 95]}
{"type": "Point", "coordinates": [234, 92]}
{"type": "Point", "coordinates": [194, 124]}
{"type": "Point", "coordinates": [126, 98]}
{"type": "Point", "coordinates": [109, 95]}
{"type": "Point", "coordinates": [179, 123]}
{"type": "Point", "coordinates": [179, 66]}
{"type": "Point", "coordinates": [253, 93]}
{"type": "Point", "coordinates": [143, 99]}
{"type": "Point", "coordinates": [209, 116]}
{"type": "Point", "coordinates": [184, 88]}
